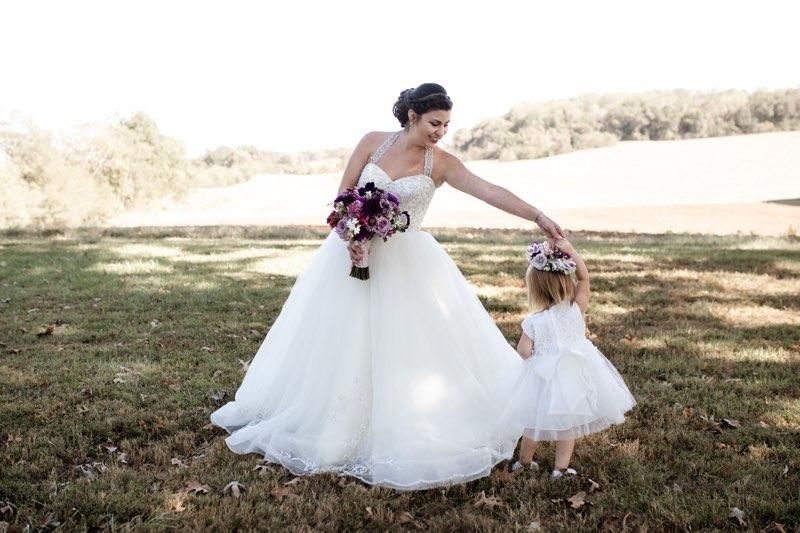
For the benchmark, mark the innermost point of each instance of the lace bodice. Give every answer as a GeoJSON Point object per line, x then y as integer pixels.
{"type": "Point", "coordinates": [415, 192]}
{"type": "Point", "coordinates": [559, 326]}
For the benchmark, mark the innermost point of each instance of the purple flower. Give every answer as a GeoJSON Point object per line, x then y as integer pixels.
{"type": "Point", "coordinates": [372, 206]}
{"type": "Point", "coordinates": [392, 198]}
{"type": "Point", "coordinates": [384, 226]}
{"type": "Point", "coordinates": [354, 207]}
{"type": "Point", "coordinates": [407, 217]}
{"type": "Point", "coordinates": [368, 187]}
{"type": "Point", "coordinates": [341, 227]}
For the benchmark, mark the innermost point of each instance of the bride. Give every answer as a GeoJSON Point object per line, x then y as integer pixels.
{"type": "Point", "coordinates": [388, 379]}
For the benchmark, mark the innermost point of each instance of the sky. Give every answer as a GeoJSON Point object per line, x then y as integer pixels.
{"type": "Point", "coordinates": [304, 75]}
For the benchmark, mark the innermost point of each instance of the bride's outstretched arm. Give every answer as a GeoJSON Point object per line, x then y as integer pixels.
{"type": "Point", "coordinates": [457, 175]}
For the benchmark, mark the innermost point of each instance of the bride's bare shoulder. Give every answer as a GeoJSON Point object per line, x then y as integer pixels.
{"type": "Point", "coordinates": [373, 139]}
{"type": "Point", "coordinates": [444, 162]}
{"type": "Point", "coordinates": [370, 142]}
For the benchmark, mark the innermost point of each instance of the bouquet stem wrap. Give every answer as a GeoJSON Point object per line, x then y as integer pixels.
{"type": "Point", "coordinates": [360, 269]}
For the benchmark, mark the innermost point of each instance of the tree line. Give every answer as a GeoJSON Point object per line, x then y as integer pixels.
{"type": "Point", "coordinates": [50, 182]}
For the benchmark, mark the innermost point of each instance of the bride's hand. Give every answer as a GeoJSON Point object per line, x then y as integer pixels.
{"type": "Point", "coordinates": [550, 228]}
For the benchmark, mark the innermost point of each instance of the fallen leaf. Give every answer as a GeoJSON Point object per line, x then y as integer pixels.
{"type": "Point", "coordinates": [501, 475]}
{"type": "Point", "coordinates": [577, 500]}
{"type": "Point", "coordinates": [594, 485]}
{"type": "Point", "coordinates": [774, 527]}
{"type": "Point", "coordinates": [7, 510]}
{"type": "Point", "coordinates": [49, 522]}
{"type": "Point", "coordinates": [294, 481]}
{"type": "Point", "coordinates": [738, 514]}
{"type": "Point", "coordinates": [487, 501]}
{"type": "Point", "coordinates": [234, 488]}
{"type": "Point", "coordinates": [245, 365]}
{"type": "Point", "coordinates": [196, 487]}
{"type": "Point", "coordinates": [785, 470]}
{"type": "Point", "coordinates": [217, 395]}
{"type": "Point", "coordinates": [45, 330]}
{"type": "Point", "coordinates": [731, 423]}
{"type": "Point", "coordinates": [179, 462]}
{"type": "Point", "coordinates": [176, 502]}
{"type": "Point", "coordinates": [206, 349]}
{"type": "Point", "coordinates": [91, 469]}
{"type": "Point", "coordinates": [408, 518]}
{"type": "Point", "coordinates": [262, 468]}
{"type": "Point", "coordinates": [123, 458]}
{"type": "Point", "coordinates": [283, 492]}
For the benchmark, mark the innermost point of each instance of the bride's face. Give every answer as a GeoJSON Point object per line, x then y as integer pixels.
{"type": "Point", "coordinates": [430, 127]}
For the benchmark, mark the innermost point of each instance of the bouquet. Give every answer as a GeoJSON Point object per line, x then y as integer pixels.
{"type": "Point", "coordinates": [360, 213]}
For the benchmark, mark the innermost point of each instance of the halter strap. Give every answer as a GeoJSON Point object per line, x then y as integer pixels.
{"type": "Point", "coordinates": [375, 157]}
{"type": "Point", "coordinates": [428, 168]}
{"type": "Point", "coordinates": [389, 141]}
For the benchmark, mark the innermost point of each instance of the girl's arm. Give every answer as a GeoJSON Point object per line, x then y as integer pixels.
{"type": "Point", "coordinates": [582, 290]}
{"type": "Point", "coordinates": [525, 346]}
{"type": "Point", "coordinates": [359, 158]}
{"type": "Point", "coordinates": [457, 175]}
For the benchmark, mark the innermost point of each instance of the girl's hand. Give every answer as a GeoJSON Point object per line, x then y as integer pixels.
{"type": "Point", "coordinates": [550, 228]}
{"type": "Point", "coordinates": [565, 246]}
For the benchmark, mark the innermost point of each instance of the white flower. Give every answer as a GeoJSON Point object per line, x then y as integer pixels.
{"type": "Point", "coordinates": [539, 261]}
{"type": "Point", "coordinates": [353, 226]}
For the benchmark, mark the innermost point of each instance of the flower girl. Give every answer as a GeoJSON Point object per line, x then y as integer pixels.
{"type": "Point", "coordinates": [567, 388]}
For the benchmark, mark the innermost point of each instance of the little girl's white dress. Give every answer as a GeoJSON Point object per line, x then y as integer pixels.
{"type": "Point", "coordinates": [567, 388]}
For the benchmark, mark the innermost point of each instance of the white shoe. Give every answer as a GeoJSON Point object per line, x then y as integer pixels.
{"type": "Point", "coordinates": [516, 467]}
{"type": "Point", "coordinates": [561, 473]}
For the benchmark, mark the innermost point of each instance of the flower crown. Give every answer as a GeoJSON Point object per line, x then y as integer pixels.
{"type": "Point", "coordinates": [543, 258]}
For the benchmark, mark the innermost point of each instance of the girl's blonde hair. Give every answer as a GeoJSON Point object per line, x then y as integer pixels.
{"type": "Point", "coordinates": [546, 288]}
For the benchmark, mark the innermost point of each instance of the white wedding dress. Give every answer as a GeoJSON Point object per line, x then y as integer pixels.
{"type": "Point", "coordinates": [390, 379]}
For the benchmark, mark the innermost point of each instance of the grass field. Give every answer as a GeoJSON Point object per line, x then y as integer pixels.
{"type": "Point", "coordinates": [116, 345]}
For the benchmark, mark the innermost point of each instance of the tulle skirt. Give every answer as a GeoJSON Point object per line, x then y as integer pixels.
{"type": "Point", "coordinates": [563, 394]}
{"type": "Point", "coordinates": [390, 380]}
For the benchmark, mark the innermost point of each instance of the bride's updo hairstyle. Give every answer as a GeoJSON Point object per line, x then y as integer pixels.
{"type": "Point", "coordinates": [426, 97]}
